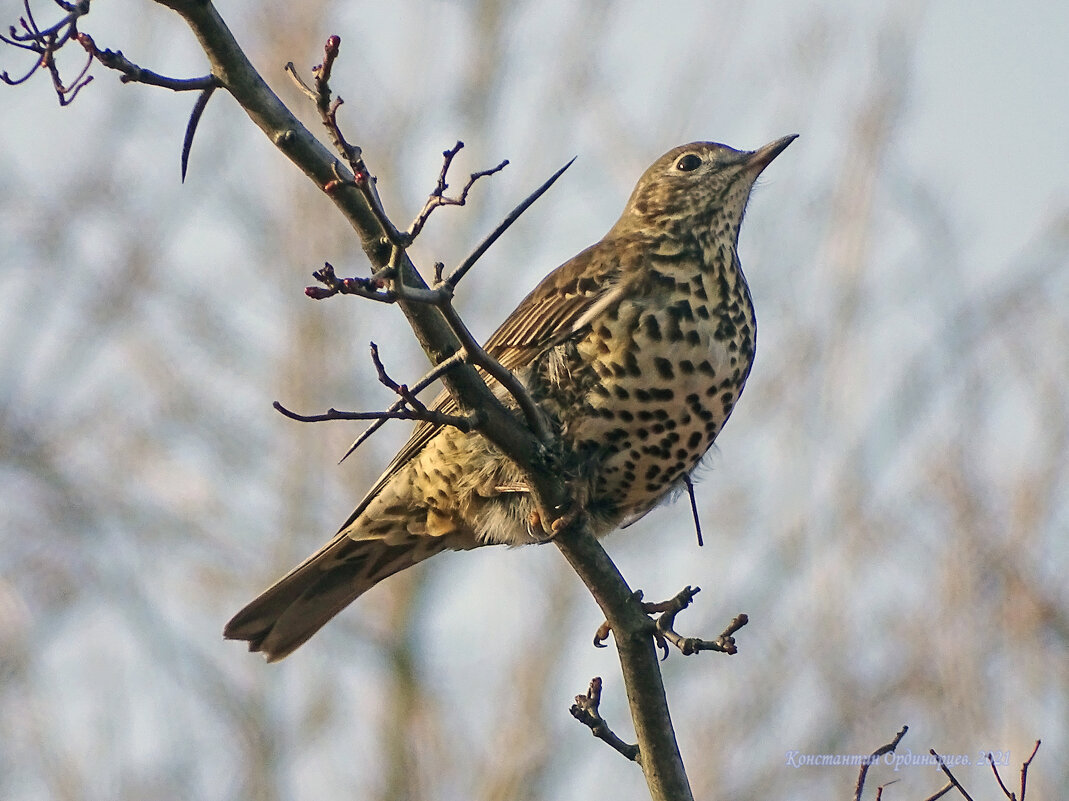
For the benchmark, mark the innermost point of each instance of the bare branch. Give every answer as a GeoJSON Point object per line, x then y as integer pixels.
{"type": "Point", "coordinates": [889, 748]}
{"type": "Point", "coordinates": [371, 288]}
{"type": "Point", "coordinates": [466, 424]}
{"type": "Point", "coordinates": [441, 298]}
{"type": "Point", "coordinates": [191, 126]}
{"type": "Point", "coordinates": [132, 73]}
{"type": "Point", "coordinates": [1005, 790]}
{"type": "Point", "coordinates": [46, 43]}
{"type": "Point", "coordinates": [946, 788]}
{"type": "Point", "coordinates": [363, 181]}
{"type": "Point", "coordinates": [689, 484]}
{"type": "Point", "coordinates": [438, 197]}
{"type": "Point", "coordinates": [433, 375]}
{"type": "Point", "coordinates": [1024, 769]}
{"type": "Point", "coordinates": [468, 263]}
{"type": "Point", "coordinates": [950, 775]}
{"type": "Point", "coordinates": [585, 710]}
{"type": "Point", "coordinates": [664, 633]}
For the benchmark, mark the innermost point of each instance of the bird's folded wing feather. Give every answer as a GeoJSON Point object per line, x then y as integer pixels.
{"type": "Point", "coordinates": [561, 306]}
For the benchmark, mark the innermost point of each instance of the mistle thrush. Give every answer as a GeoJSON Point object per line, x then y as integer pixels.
{"type": "Point", "coordinates": [636, 349]}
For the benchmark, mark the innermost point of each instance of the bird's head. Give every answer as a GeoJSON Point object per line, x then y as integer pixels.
{"type": "Point", "coordinates": [696, 186]}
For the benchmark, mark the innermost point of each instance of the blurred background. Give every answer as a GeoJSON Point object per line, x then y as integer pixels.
{"type": "Point", "coordinates": [889, 504]}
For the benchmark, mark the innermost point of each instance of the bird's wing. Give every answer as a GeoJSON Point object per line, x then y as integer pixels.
{"type": "Point", "coordinates": [561, 306]}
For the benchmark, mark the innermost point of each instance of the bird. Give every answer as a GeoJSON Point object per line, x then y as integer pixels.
{"type": "Point", "coordinates": [636, 351]}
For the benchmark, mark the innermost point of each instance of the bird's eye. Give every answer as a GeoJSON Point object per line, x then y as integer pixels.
{"type": "Point", "coordinates": [688, 163]}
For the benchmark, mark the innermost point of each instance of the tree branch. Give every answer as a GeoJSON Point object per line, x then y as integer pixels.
{"type": "Point", "coordinates": [879, 752]}
{"type": "Point", "coordinates": [585, 710]}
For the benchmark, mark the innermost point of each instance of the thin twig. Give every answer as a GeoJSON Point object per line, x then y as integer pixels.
{"type": "Point", "coordinates": [363, 181]}
{"type": "Point", "coordinates": [1024, 769]}
{"type": "Point", "coordinates": [664, 633]}
{"type": "Point", "coordinates": [191, 126]}
{"type": "Point", "coordinates": [433, 375]}
{"type": "Point", "coordinates": [950, 775]}
{"type": "Point", "coordinates": [132, 73]}
{"type": "Point", "coordinates": [371, 288]}
{"type": "Point", "coordinates": [1005, 790]}
{"type": "Point", "coordinates": [689, 484]}
{"type": "Point", "coordinates": [402, 391]}
{"type": "Point", "coordinates": [468, 263]}
{"type": "Point", "coordinates": [438, 197]}
{"type": "Point", "coordinates": [585, 710]}
{"type": "Point", "coordinates": [940, 792]}
{"type": "Point", "coordinates": [46, 43]}
{"type": "Point", "coordinates": [879, 752]}
{"type": "Point", "coordinates": [464, 423]}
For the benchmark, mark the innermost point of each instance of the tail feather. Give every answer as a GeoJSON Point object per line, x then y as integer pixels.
{"type": "Point", "coordinates": [285, 615]}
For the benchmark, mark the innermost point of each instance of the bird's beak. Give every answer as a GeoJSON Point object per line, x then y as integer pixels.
{"type": "Point", "coordinates": [761, 158]}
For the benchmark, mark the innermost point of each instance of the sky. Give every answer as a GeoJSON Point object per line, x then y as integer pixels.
{"type": "Point", "coordinates": [908, 375]}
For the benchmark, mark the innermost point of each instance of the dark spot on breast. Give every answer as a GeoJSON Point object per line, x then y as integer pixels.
{"type": "Point", "coordinates": [664, 367]}
{"type": "Point", "coordinates": [681, 311]}
{"type": "Point", "coordinates": [673, 331]}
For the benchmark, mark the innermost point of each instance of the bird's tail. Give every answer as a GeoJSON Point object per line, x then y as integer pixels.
{"type": "Point", "coordinates": [284, 616]}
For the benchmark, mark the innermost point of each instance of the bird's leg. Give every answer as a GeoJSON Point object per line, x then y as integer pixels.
{"type": "Point", "coordinates": [664, 633]}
